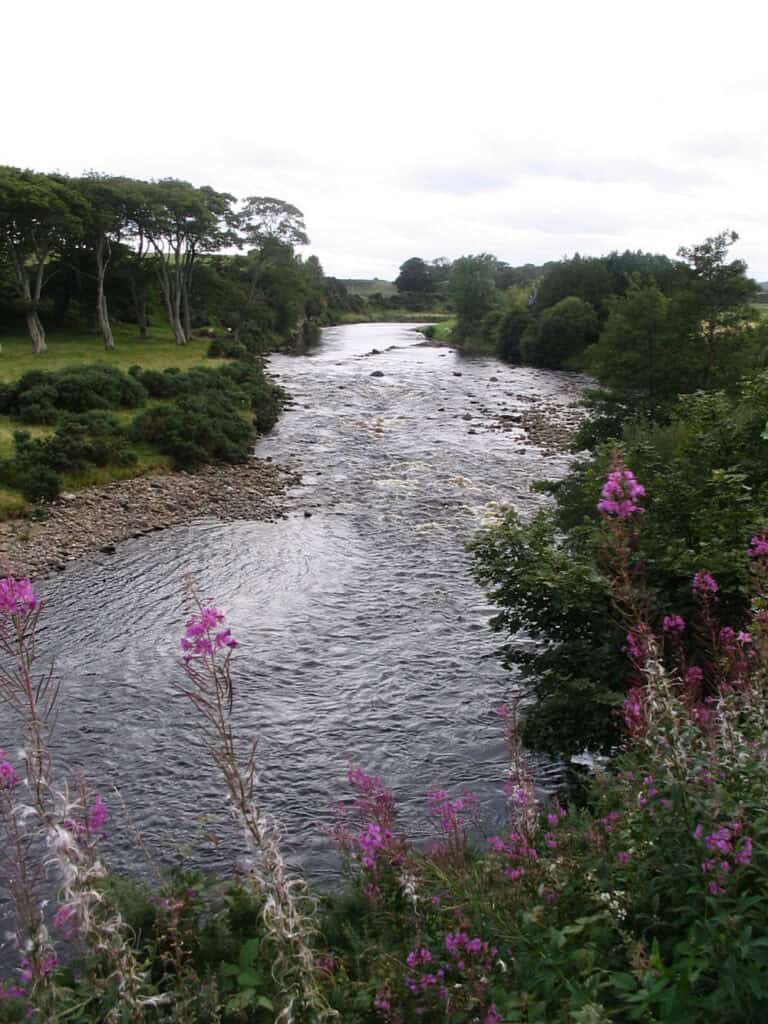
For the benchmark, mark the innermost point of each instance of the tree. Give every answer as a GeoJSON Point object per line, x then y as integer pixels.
{"type": "Point", "coordinates": [512, 326]}
{"type": "Point", "coordinates": [414, 276]}
{"type": "Point", "coordinates": [107, 218]}
{"type": "Point", "coordinates": [586, 278]}
{"type": "Point", "coordinates": [562, 333]}
{"type": "Point", "coordinates": [183, 223]}
{"type": "Point", "coordinates": [639, 353]}
{"type": "Point", "coordinates": [473, 292]}
{"type": "Point", "coordinates": [263, 219]}
{"type": "Point", "coordinates": [716, 294]}
{"type": "Point", "coordinates": [40, 214]}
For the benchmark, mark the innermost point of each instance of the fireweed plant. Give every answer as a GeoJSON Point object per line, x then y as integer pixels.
{"type": "Point", "coordinates": [648, 902]}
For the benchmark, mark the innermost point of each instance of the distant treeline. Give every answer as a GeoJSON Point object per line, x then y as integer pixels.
{"type": "Point", "coordinates": [86, 252]}
{"type": "Point", "coordinates": [640, 322]}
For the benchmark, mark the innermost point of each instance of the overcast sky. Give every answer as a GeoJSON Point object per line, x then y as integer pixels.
{"type": "Point", "coordinates": [415, 128]}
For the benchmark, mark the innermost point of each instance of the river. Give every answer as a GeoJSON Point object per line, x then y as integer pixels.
{"type": "Point", "coordinates": [362, 637]}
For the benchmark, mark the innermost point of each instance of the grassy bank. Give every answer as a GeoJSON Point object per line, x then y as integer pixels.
{"type": "Point", "coordinates": [68, 348]}
{"type": "Point", "coordinates": [86, 437]}
{"type": "Point", "coordinates": [392, 316]}
{"type": "Point", "coordinates": [443, 330]}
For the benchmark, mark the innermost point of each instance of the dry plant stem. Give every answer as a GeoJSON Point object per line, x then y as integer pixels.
{"type": "Point", "coordinates": [73, 851]}
{"type": "Point", "coordinates": [209, 688]}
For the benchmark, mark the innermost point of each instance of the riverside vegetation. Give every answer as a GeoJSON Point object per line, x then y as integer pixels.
{"type": "Point", "coordinates": [642, 897]}
{"type": "Point", "coordinates": [110, 257]}
{"type": "Point", "coordinates": [645, 901]}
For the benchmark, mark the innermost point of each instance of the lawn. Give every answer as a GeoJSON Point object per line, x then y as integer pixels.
{"type": "Point", "coordinates": [67, 347]}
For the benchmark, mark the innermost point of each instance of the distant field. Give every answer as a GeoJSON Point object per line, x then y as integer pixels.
{"type": "Point", "coordinates": [66, 348]}
{"type": "Point", "coordinates": [365, 288]}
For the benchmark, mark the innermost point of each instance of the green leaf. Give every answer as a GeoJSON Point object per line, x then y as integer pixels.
{"type": "Point", "coordinates": [248, 952]}
{"type": "Point", "coordinates": [241, 1001]}
{"type": "Point", "coordinates": [249, 978]}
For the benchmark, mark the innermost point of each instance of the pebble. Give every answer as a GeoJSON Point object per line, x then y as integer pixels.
{"type": "Point", "coordinates": [96, 519]}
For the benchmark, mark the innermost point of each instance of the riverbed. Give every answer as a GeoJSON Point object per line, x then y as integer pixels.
{"type": "Point", "coordinates": [362, 637]}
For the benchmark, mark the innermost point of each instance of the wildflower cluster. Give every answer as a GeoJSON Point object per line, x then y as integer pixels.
{"type": "Point", "coordinates": [620, 493]}
{"type": "Point", "coordinates": [17, 597]}
{"type": "Point", "coordinates": [202, 635]}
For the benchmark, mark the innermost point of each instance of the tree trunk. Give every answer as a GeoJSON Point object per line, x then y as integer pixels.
{"type": "Point", "coordinates": [185, 307]}
{"type": "Point", "coordinates": [102, 313]}
{"type": "Point", "coordinates": [36, 332]}
{"type": "Point", "coordinates": [139, 300]}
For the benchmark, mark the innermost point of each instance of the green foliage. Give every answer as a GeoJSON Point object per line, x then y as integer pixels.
{"type": "Point", "coordinates": [473, 293]}
{"type": "Point", "coordinates": [706, 476]}
{"type": "Point", "coordinates": [585, 278]}
{"type": "Point", "coordinates": [560, 335]}
{"type": "Point", "coordinates": [195, 430]}
{"type": "Point", "coordinates": [511, 328]}
{"type": "Point", "coordinates": [42, 397]}
{"type": "Point", "coordinates": [88, 439]}
{"type": "Point", "coordinates": [414, 276]}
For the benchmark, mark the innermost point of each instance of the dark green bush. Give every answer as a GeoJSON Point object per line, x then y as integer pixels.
{"type": "Point", "coordinates": [40, 397]}
{"type": "Point", "coordinates": [226, 348]}
{"type": "Point", "coordinates": [195, 430]}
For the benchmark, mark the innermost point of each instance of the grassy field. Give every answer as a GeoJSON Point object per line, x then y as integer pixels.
{"type": "Point", "coordinates": [365, 288]}
{"type": "Point", "coordinates": [68, 348]}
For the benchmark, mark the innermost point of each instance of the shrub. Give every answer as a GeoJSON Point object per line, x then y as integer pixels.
{"type": "Point", "coordinates": [40, 397]}
{"type": "Point", "coordinates": [195, 430]}
{"type": "Point", "coordinates": [561, 334]}
{"type": "Point", "coordinates": [226, 348]}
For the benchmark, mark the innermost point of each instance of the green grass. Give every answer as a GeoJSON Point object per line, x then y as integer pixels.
{"type": "Point", "coordinates": [443, 330]}
{"type": "Point", "coordinates": [761, 308]}
{"type": "Point", "coordinates": [66, 348]}
{"type": "Point", "coordinates": [365, 287]}
{"type": "Point", "coordinates": [69, 348]}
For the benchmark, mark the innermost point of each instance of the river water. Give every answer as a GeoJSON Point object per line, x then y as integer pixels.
{"type": "Point", "coordinates": [362, 637]}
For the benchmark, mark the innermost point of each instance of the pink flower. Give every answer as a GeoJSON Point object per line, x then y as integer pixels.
{"type": "Point", "coordinates": [758, 546]}
{"type": "Point", "coordinates": [97, 814]}
{"type": "Point", "coordinates": [704, 584]}
{"type": "Point", "coordinates": [673, 623]}
{"type": "Point", "coordinates": [619, 493]}
{"type": "Point", "coordinates": [17, 596]}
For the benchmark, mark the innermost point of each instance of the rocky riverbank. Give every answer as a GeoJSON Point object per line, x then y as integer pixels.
{"type": "Point", "coordinates": [98, 518]}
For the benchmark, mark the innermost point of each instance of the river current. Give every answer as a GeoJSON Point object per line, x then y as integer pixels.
{"type": "Point", "coordinates": [362, 637]}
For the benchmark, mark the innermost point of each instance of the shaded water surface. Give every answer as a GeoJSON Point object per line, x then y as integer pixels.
{"type": "Point", "coordinates": [362, 637]}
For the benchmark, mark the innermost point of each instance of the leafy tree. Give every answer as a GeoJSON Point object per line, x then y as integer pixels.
{"type": "Point", "coordinates": [561, 334]}
{"type": "Point", "coordinates": [473, 292]}
{"type": "Point", "coordinates": [40, 214]}
{"type": "Point", "coordinates": [715, 295]}
{"type": "Point", "coordinates": [512, 327]}
{"type": "Point", "coordinates": [414, 276]}
{"type": "Point", "coordinates": [264, 219]}
{"type": "Point", "coordinates": [108, 216]}
{"type": "Point", "coordinates": [640, 354]}
{"type": "Point", "coordinates": [584, 277]}
{"type": "Point", "coordinates": [184, 223]}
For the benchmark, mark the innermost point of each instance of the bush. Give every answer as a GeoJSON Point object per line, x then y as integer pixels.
{"type": "Point", "coordinates": [509, 333]}
{"type": "Point", "coordinates": [195, 430]}
{"type": "Point", "coordinates": [226, 348]}
{"type": "Point", "coordinates": [40, 397]}
{"type": "Point", "coordinates": [707, 477]}
{"type": "Point", "coordinates": [561, 334]}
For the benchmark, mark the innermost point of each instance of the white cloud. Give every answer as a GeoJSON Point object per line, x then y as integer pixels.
{"type": "Point", "coordinates": [424, 128]}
